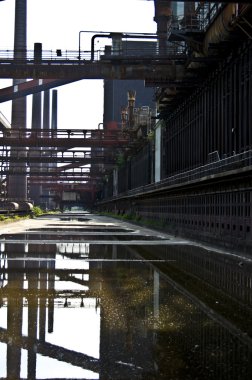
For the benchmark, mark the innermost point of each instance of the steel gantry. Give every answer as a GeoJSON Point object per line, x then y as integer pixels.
{"type": "Point", "coordinates": [43, 149]}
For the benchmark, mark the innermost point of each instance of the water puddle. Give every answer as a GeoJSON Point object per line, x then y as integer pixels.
{"type": "Point", "coordinates": [75, 310]}
{"type": "Point", "coordinates": [95, 237]}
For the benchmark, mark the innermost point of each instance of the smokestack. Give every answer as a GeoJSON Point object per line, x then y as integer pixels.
{"type": "Point", "coordinates": [17, 184]}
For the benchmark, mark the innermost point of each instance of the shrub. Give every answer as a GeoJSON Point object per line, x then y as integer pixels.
{"type": "Point", "coordinates": [37, 211]}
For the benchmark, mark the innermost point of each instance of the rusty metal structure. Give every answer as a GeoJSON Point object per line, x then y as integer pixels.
{"type": "Point", "coordinates": [186, 165]}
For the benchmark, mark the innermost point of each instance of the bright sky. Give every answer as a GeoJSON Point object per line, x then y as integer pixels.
{"type": "Point", "coordinates": [56, 24]}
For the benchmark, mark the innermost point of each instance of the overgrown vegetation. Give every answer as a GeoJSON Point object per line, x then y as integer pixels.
{"type": "Point", "coordinates": [37, 211]}
{"type": "Point", "coordinates": [12, 218]}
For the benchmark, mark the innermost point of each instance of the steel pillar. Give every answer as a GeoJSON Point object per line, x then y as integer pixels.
{"type": "Point", "coordinates": [35, 190]}
{"type": "Point", "coordinates": [17, 185]}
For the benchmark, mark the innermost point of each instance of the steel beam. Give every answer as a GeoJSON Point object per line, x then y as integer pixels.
{"type": "Point", "coordinates": [43, 142]}
{"type": "Point", "coordinates": [31, 87]}
{"type": "Point", "coordinates": [68, 138]}
{"type": "Point", "coordinates": [69, 179]}
{"type": "Point", "coordinates": [76, 70]}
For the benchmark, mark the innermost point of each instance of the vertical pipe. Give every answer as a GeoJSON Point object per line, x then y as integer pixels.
{"type": "Point", "coordinates": [46, 110]}
{"type": "Point", "coordinates": [17, 184]}
{"type": "Point", "coordinates": [54, 121]}
{"type": "Point", "coordinates": [46, 127]}
{"type": "Point", "coordinates": [35, 190]}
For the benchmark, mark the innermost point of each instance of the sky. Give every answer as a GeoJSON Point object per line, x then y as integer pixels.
{"type": "Point", "coordinates": [56, 24]}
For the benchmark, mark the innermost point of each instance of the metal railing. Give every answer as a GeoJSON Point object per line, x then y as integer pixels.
{"type": "Point", "coordinates": [224, 165]}
{"type": "Point", "coordinates": [68, 57]}
{"type": "Point", "coordinates": [200, 20]}
{"type": "Point", "coordinates": [20, 133]}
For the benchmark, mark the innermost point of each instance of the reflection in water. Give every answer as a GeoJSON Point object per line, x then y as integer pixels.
{"type": "Point", "coordinates": [80, 311]}
{"type": "Point", "coordinates": [33, 299]}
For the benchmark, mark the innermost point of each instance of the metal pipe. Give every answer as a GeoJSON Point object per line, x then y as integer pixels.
{"type": "Point", "coordinates": [54, 121]}
{"type": "Point", "coordinates": [84, 31]}
{"type": "Point", "coordinates": [35, 191]}
{"type": "Point", "coordinates": [109, 33]}
{"type": "Point", "coordinates": [123, 35]}
{"type": "Point", "coordinates": [93, 42]}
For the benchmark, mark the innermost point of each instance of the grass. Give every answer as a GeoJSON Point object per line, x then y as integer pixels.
{"type": "Point", "coordinates": [37, 211]}
{"type": "Point", "coordinates": [14, 218]}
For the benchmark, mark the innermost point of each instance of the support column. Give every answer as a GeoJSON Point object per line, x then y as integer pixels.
{"type": "Point", "coordinates": [54, 121]}
{"type": "Point", "coordinates": [35, 190]}
{"type": "Point", "coordinates": [163, 18]}
{"type": "Point", "coordinates": [17, 184]}
{"type": "Point", "coordinates": [54, 124]}
{"type": "Point", "coordinates": [47, 204]}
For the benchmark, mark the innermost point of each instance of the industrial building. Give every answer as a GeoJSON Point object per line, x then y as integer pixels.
{"type": "Point", "coordinates": [175, 144]}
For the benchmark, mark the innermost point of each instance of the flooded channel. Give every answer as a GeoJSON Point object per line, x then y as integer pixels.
{"type": "Point", "coordinates": [87, 297]}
